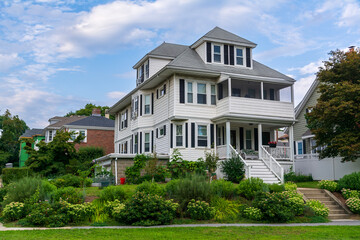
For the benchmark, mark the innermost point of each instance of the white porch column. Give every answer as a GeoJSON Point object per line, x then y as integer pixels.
{"type": "Point", "coordinates": [116, 175]}
{"type": "Point", "coordinates": [292, 94]}
{"type": "Point", "coordinates": [262, 90]}
{"type": "Point", "coordinates": [291, 144]}
{"type": "Point", "coordinates": [227, 139]}
{"type": "Point", "coordinates": [215, 145]}
{"type": "Point", "coordinates": [229, 87]}
{"type": "Point", "coordinates": [260, 139]}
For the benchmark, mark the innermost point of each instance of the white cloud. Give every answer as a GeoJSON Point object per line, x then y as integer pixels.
{"type": "Point", "coordinates": [350, 15]}
{"type": "Point", "coordinates": [301, 86]}
{"type": "Point", "coordinates": [116, 95]}
{"type": "Point", "coordinates": [8, 61]}
{"type": "Point", "coordinates": [310, 68]}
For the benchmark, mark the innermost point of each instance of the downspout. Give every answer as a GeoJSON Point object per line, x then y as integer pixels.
{"type": "Point", "coordinates": [116, 170]}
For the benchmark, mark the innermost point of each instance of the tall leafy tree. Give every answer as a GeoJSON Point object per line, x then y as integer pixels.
{"type": "Point", "coordinates": [13, 127]}
{"type": "Point", "coordinates": [335, 120]}
{"type": "Point", "coordinates": [87, 110]}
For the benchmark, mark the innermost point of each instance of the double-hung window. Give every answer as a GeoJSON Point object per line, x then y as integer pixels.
{"type": "Point", "coordinates": [123, 123]}
{"type": "Point", "coordinates": [147, 104]}
{"type": "Point", "coordinates": [147, 142]}
{"type": "Point", "coordinates": [201, 93]}
{"type": "Point", "coordinates": [161, 131]}
{"type": "Point", "coordinates": [239, 56]}
{"type": "Point", "coordinates": [190, 92]}
{"type": "Point", "coordinates": [217, 53]}
{"type": "Point", "coordinates": [50, 136]}
{"type": "Point", "coordinates": [179, 135]}
{"type": "Point", "coordinates": [202, 136]}
{"type": "Point", "coordinates": [248, 139]}
{"type": "Point", "coordinates": [147, 70]}
{"type": "Point", "coordinates": [213, 95]}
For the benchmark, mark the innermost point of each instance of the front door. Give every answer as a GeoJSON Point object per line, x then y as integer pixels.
{"type": "Point", "coordinates": [233, 138]}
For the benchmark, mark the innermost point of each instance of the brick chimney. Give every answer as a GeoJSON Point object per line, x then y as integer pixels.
{"type": "Point", "coordinates": [96, 112]}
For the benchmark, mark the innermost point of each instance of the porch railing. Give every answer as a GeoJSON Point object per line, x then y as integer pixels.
{"type": "Point", "coordinates": [279, 152]}
{"type": "Point", "coordinates": [307, 156]}
{"type": "Point", "coordinates": [221, 151]}
{"type": "Point", "coordinates": [272, 164]}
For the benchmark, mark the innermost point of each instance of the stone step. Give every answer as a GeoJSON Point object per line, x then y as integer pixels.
{"type": "Point", "coordinates": [339, 216]}
{"type": "Point", "coordinates": [328, 203]}
{"type": "Point", "coordinates": [311, 190]}
{"type": "Point", "coordinates": [334, 207]}
{"type": "Point", "coordinates": [337, 211]}
{"type": "Point", "coordinates": [315, 195]}
{"type": "Point", "coordinates": [262, 173]}
{"type": "Point", "coordinates": [321, 199]}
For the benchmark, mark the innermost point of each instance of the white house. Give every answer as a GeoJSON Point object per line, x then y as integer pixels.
{"type": "Point", "coordinates": [211, 95]}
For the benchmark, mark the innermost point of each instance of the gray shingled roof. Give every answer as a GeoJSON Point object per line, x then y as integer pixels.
{"type": "Point", "coordinates": [31, 132]}
{"type": "Point", "coordinates": [94, 121]}
{"type": "Point", "coordinates": [168, 50]}
{"type": "Point", "coordinates": [221, 34]}
{"type": "Point", "coordinates": [65, 121]}
{"type": "Point", "coordinates": [191, 60]}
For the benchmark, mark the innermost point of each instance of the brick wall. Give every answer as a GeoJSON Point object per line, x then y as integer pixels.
{"type": "Point", "coordinates": [99, 138]}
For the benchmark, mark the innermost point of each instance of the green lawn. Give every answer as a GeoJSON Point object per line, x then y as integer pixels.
{"type": "Point", "coordinates": [313, 184]}
{"type": "Point", "coordinates": [318, 232]}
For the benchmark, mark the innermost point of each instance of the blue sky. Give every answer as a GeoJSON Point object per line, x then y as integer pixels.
{"type": "Point", "coordinates": [58, 55]}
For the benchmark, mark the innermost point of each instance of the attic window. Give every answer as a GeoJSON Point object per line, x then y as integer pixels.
{"type": "Point", "coordinates": [217, 53]}
{"type": "Point", "coordinates": [239, 56]}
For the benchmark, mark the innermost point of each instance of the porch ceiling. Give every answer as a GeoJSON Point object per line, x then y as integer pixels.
{"type": "Point", "coordinates": [275, 122]}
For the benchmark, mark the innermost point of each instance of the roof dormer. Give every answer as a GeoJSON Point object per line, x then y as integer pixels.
{"type": "Point", "coordinates": [222, 47]}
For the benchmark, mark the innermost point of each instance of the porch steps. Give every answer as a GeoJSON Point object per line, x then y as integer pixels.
{"type": "Point", "coordinates": [260, 170]}
{"type": "Point", "coordinates": [335, 210]}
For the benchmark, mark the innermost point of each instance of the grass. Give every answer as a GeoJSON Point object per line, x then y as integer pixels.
{"type": "Point", "coordinates": [313, 184]}
{"type": "Point", "coordinates": [95, 191]}
{"type": "Point", "coordinates": [289, 233]}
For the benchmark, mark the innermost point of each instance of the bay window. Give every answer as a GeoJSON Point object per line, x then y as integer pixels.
{"type": "Point", "coordinates": [147, 104]}
{"type": "Point", "coordinates": [147, 142]}
{"type": "Point", "coordinates": [179, 135]}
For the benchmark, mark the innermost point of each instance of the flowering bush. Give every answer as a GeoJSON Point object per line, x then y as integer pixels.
{"type": "Point", "coordinates": [354, 205]}
{"type": "Point", "coordinates": [114, 208]}
{"type": "Point", "coordinates": [200, 210]}
{"type": "Point", "coordinates": [318, 208]}
{"type": "Point", "coordinates": [79, 212]}
{"type": "Point", "coordinates": [147, 209]}
{"type": "Point", "coordinates": [14, 211]}
{"type": "Point", "coordinates": [290, 186]}
{"type": "Point", "coordinates": [297, 205]}
{"type": "Point", "coordinates": [347, 193]}
{"type": "Point", "coordinates": [328, 185]}
{"type": "Point", "coordinates": [39, 215]}
{"type": "Point", "coordinates": [252, 213]}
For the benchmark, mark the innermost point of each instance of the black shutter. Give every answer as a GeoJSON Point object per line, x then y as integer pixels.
{"type": "Point", "coordinates": [164, 130]}
{"type": "Point", "coordinates": [186, 135]}
{"type": "Point", "coordinates": [142, 76]}
{"type": "Point", "coordinates": [192, 135]}
{"type": "Point", "coordinates": [157, 133]}
{"type": "Point", "coordinates": [294, 147]}
{"type": "Point", "coordinates": [223, 135]}
{"type": "Point", "coordinates": [152, 103]}
{"type": "Point", "coordinates": [140, 144]}
{"type": "Point", "coordinates": [304, 147]}
{"type": "Point", "coordinates": [220, 91]}
{"type": "Point", "coordinates": [164, 89]}
{"type": "Point", "coordinates": [226, 54]}
{"type": "Point", "coordinates": [127, 117]}
{"type": "Point", "coordinates": [171, 135]}
{"type": "Point", "coordinates": [212, 143]}
{"type": "Point", "coordinates": [140, 105]}
{"type": "Point", "coordinates": [182, 91]}
{"type": "Point", "coordinates": [248, 57]}
{"type": "Point", "coordinates": [241, 138]}
{"type": "Point", "coordinates": [131, 144]}
{"type": "Point", "coordinates": [157, 93]}
{"type": "Point", "coordinates": [256, 139]}
{"type": "Point", "coordinates": [231, 55]}
{"type": "Point", "coordinates": [152, 141]}
{"type": "Point", "coordinates": [208, 52]}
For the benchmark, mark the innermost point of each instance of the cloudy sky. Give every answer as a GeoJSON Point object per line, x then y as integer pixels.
{"type": "Point", "coordinates": [58, 55]}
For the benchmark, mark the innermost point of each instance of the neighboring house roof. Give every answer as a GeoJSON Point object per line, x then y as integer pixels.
{"type": "Point", "coordinates": [222, 35]}
{"type": "Point", "coordinates": [306, 98]}
{"type": "Point", "coordinates": [93, 121]}
{"type": "Point", "coordinates": [64, 121]}
{"type": "Point", "coordinates": [32, 132]}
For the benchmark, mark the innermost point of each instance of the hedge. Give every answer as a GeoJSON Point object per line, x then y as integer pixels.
{"type": "Point", "coordinates": [11, 174]}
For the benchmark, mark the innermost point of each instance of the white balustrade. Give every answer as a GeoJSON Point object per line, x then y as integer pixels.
{"type": "Point", "coordinates": [272, 164]}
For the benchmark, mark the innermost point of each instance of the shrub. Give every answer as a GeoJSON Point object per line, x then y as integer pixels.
{"type": "Point", "coordinates": [68, 194]}
{"type": "Point", "coordinates": [275, 207]}
{"type": "Point", "coordinates": [328, 185]}
{"type": "Point", "coordinates": [233, 169]}
{"type": "Point", "coordinates": [200, 210]}
{"type": "Point", "coordinates": [290, 186]}
{"type": "Point", "coordinates": [151, 188]}
{"type": "Point", "coordinates": [14, 174]}
{"type": "Point", "coordinates": [133, 173]}
{"type": "Point", "coordinates": [192, 187]}
{"type": "Point", "coordinates": [39, 215]}
{"type": "Point", "coordinates": [297, 205]}
{"type": "Point", "coordinates": [276, 187]}
{"type": "Point", "coordinates": [347, 193]}
{"type": "Point", "coordinates": [354, 205]}
{"type": "Point", "coordinates": [14, 211]}
{"type": "Point", "coordinates": [179, 168]}
{"type": "Point", "coordinates": [84, 157]}
{"type": "Point", "coordinates": [318, 208]}
{"type": "Point", "coordinates": [249, 187]}
{"type": "Point", "coordinates": [224, 209]}
{"type": "Point", "coordinates": [70, 180]}
{"type": "Point", "coordinates": [171, 188]}
{"type": "Point", "coordinates": [222, 188]}
{"type": "Point", "coordinates": [147, 209]}
{"type": "Point", "coordinates": [3, 192]}
{"type": "Point", "coordinates": [79, 212]}
{"type": "Point", "coordinates": [114, 208]}
{"type": "Point", "coordinates": [350, 181]}
{"type": "Point", "coordinates": [253, 213]}
{"type": "Point", "coordinates": [111, 193]}
{"type": "Point", "coordinates": [293, 177]}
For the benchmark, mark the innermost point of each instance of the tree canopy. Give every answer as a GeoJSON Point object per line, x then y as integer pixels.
{"type": "Point", "coordinates": [87, 110]}
{"type": "Point", "coordinates": [335, 120]}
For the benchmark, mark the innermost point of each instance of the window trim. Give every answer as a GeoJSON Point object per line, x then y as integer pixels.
{"type": "Point", "coordinates": [162, 91]}
{"type": "Point", "coordinates": [149, 113]}
{"type": "Point", "coordinates": [297, 147]}
{"type": "Point", "coordinates": [243, 56]}
{"type": "Point", "coordinates": [212, 95]}
{"type": "Point", "coordinates": [213, 53]}
{"type": "Point", "coordinates": [182, 135]}
{"type": "Point", "coordinates": [159, 133]}
{"type": "Point", "coordinates": [197, 93]}
{"type": "Point", "coordinates": [149, 142]}
{"type": "Point", "coordinates": [187, 91]}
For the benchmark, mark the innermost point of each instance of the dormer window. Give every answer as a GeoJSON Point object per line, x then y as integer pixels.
{"type": "Point", "coordinates": [147, 69]}
{"type": "Point", "coordinates": [217, 53]}
{"type": "Point", "coordinates": [239, 56]}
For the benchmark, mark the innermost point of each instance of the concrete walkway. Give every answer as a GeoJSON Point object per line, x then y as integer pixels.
{"type": "Point", "coordinates": [333, 223]}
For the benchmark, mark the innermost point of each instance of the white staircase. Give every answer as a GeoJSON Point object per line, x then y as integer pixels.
{"type": "Point", "coordinates": [260, 170]}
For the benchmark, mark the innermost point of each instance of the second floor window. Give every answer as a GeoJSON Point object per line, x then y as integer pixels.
{"type": "Point", "coordinates": [201, 93]}
{"type": "Point", "coordinates": [50, 136]}
{"type": "Point", "coordinates": [239, 56]}
{"type": "Point", "coordinates": [217, 53]}
{"type": "Point", "coordinates": [147, 70]}
{"type": "Point", "coordinates": [135, 107]}
{"type": "Point", "coordinates": [213, 95]}
{"type": "Point", "coordinates": [147, 104]}
{"type": "Point", "coordinates": [123, 120]}
{"type": "Point", "coordinates": [190, 92]}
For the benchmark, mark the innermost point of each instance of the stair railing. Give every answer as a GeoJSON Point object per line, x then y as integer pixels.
{"type": "Point", "coordinates": [272, 164]}
{"type": "Point", "coordinates": [246, 165]}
